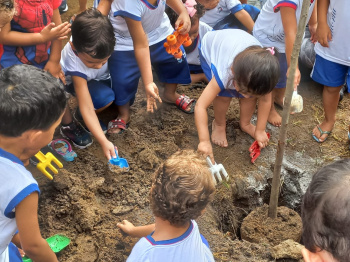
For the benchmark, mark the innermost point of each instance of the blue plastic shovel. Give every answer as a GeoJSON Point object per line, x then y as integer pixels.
{"type": "Point", "coordinates": [118, 163]}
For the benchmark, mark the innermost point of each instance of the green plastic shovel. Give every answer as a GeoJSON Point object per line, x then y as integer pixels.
{"type": "Point", "coordinates": [56, 243]}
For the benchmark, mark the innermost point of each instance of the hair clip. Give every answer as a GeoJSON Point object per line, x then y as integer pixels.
{"type": "Point", "coordinates": [271, 49]}
{"type": "Point", "coordinates": [189, 4]}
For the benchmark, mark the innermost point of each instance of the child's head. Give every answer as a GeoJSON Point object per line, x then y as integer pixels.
{"type": "Point", "coordinates": [208, 4]}
{"type": "Point", "coordinates": [7, 10]}
{"type": "Point", "coordinates": [93, 38]}
{"type": "Point", "coordinates": [30, 99]}
{"type": "Point", "coordinates": [256, 71]}
{"type": "Point", "coordinates": [326, 214]}
{"type": "Point", "coordinates": [182, 187]}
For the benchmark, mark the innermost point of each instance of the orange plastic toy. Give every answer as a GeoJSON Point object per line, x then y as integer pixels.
{"type": "Point", "coordinates": [174, 41]}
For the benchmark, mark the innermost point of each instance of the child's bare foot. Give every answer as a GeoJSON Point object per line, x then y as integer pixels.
{"type": "Point", "coordinates": [248, 128]}
{"type": "Point", "coordinates": [274, 118]}
{"type": "Point", "coordinates": [322, 131]}
{"type": "Point", "coordinates": [218, 135]}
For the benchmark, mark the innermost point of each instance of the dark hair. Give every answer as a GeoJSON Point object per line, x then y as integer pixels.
{"type": "Point", "coordinates": [326, 211]}
{"type": "Point", "coordinates": [92, 34]}
{"type": "Point", "coordinates": [173, 16]}
{"type": "Point", "coordinates": [182, 187]}
{"type": "Point", "coordinates": [256, 71]}
{"type": "Point", "coordinates": [7, 5]}
{"type": "Point", "coordinates": [30, 99]}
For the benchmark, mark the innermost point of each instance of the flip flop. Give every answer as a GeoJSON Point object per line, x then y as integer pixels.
{"type": "Point", "coordinates": [321, 133]}
{"type": "Point", "coordinates": [63, 148]}
{"type": "Point", "coordinates": [183, 102]}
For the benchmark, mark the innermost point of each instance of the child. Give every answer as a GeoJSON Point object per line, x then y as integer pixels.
{"type": "Point", "coordinates": [325, 214]}
{"type": "Point", "coordinates": [141, 28]}
{"type": "Point", "coordinates": [182, 188]}
{"type": "Point", "coordinates": [277, 26]}
{"type": "Point", "coordinates": [34, 37]}
{"type": "Point", "coordinates": [7, 10]}
{"type": "Point", "coordinates": [84, 61]}
{"type": "Point", "coordinates": [197, 31]}
{"type": "Point", "coordinates": [37, 101]}
{"type": "Point", "coordinates": [242, 69]}
{"type": "Point", "coordinates": [217, 10]}
{"type": "Point", "coordinates": [332, 59]}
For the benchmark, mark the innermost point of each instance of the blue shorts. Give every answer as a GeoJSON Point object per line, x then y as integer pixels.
{"type": "Point", "coordinates": [125, 72]}
{"type": "Point", "coordinates": [14, 255]}
{"type": "Point", "coordinates": [329, 73]}
{"type": "Point", "coordinates": [195, 69]}
{"type": "Point", "coordinates": [100, 91]}
{"type": "Point", "coordinates": [282, 81]}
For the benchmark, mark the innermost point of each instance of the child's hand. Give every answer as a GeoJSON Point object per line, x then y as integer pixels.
{"type": "Point", "coordinates": [206, 149]}
{"type": "Point", "coordinates": [296, 77]}
{"type": "Point", "coordinates": [152, 96]}
{"type": "Point", "coordinates": [261, 138]}
{"type": "Point", "coordinates": [312, 30]}
{"type": "Point", "coordinates": [109, 149]}
{"type": "Point", "coordinates": [323, 34]}
{"type": "Point", "coordinates": [185, 22]}
{"type": "Point", "coordinates": [50, 32]}
{"type": "Point", "coordinates": [127, 227]}
{"type": "Point", "coordinates": [55, 70]}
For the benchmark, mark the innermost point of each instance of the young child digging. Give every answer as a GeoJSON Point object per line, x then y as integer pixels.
{"type": "Point", "coordinates": [237, 66]}
{"type": "Point", "coordinates": [325, 215]}
{"type": "Point", "coordinates": [84, 62]}
{"type": "Point", "coordinates": [182, 187]}
{"type": "Point", "coordinates": [37, 100]}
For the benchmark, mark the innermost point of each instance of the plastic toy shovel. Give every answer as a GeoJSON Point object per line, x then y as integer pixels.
{"type": "Point", "coordinates": [255, 150]}
{"type": "Point", "coordinates": [296, 106]}
{"type": "Point", "coordinates": [118, 164]}
{"type": "Point", "coordinates": [45, 161]}
{"type": "Point", "coordinates": [217, 171]}
{"type": "Point", "coordinates": [56, 243]}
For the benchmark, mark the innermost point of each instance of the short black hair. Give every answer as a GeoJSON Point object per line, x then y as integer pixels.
{"type": "Point", "coordinates": [256, 70]}
{"type": "Point", "coordinates": [30, 99]}
{"type": "Point", "coordinates": [326, 211]}
{"type": "Point", "coordinates": [92, 34]}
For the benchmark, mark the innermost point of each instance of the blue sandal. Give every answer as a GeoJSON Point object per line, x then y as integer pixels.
{"type": "Point", "coordinates": [321, 133]}
{"type": "Point", "coordinates": [63, 148]}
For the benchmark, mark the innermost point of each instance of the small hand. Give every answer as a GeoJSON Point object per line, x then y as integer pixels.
{"type": "Point", "coordinates": [323, 34]}
{"type": "Point", "coordinates": [127, 227]}
{"type": "Point", "coordinates": [261, 138]}
{"type": "Point", "coordinates": [312, 29]}
{"type": "Point", "coordinates": [185, 23]}
{"type": "Point", "coordinates": [152, 96]}
{"type": "Point", "coordinates": [55, 70]}
{"type": "Point", "coordinates": [296, 77]}
{"type": "Point", "coordinates": [50, 32]}
{"type": "Point", "coordinates": [206, 149]}
{"type": "Point", "coordinates": [109, 149]}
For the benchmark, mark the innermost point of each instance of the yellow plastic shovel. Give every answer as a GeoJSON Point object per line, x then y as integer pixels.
{"type": "Point", "coordinates": [45, 161]}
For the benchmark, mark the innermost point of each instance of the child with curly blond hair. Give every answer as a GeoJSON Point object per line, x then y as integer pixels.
{"type": "Point", "coordinates": [182, 187]}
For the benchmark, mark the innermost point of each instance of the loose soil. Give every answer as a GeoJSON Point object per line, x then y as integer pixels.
{"type": "Point", "coordinates": [86, 200]}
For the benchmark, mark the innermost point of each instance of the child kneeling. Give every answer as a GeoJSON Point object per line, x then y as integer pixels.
{"type": "Point", "coordinates": [182, 187]}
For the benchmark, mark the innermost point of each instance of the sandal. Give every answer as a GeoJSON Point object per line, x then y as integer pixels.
{"type": "Point", "coordinates": [117, 123]}
{"type": "Point", "coordinates": [183, 102]}
{"type": "Point", "coordinates": [63, 148]}
{"type": "Point", "coordinates": [321, 133]}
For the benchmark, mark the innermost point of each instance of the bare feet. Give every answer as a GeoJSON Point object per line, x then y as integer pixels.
{"type": "Point", "coordinates": [248, 128]}
{"type": "Point", "coordinates": [218, 135]}
{"type": "Point", "coordinates": [325, 128]}
{"type": "Point", "coordinates": [274, 117]}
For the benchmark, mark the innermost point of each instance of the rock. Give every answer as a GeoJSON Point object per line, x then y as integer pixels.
{"type": "Point", "coordinates": [287, 249]}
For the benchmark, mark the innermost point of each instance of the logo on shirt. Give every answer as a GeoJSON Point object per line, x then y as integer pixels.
{"type": "Point", "coordinates": [220, 9]}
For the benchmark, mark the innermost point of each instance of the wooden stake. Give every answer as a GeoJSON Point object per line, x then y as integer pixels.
{"type": "Point", "coordinates": [276, 180]}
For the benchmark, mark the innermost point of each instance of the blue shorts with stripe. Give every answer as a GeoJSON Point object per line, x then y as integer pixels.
{"type": "Point", "coordinates": [125, 72]}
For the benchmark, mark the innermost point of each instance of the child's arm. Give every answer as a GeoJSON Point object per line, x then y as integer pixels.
{"type": "Point", "coordinates": [313, 24]}
{"type": "Point", "coordinates": [105, 6]}
{"type": "Point", "coordinates": [53, 65]}
{"type": "Point", "coordinates": [201, 117]}
{"type": "Point", "coordinates": [324, 34]}
{"type": "Point", "coordinates": [143, 59]}
{"type": "Point", "coordinates": [32, 242]}
{"type": "Point", "coordinates": [131, 230]}
{"type": "Point", "coordinates": [245, 19]}
{"type": "Point", "coordinates": [264, 107]}
{"type": "Point", "coordinates": [87, 110]}
{"type": "Point", "coordinates": [82, 5]}
{"type": "Point", "coordinates": [183, 19]}
{"type": "Point", "coordinates": [289, 21]}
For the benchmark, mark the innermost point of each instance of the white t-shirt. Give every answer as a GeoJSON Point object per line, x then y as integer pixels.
{"type": "Point", "coordinates": [223, 9]}
{"type": "Point", "coordinates": [268, 28]}
{"type": "Point", "coordinates": [338, 20]}
{"type": "Point", "coordinates": [154, 21]}
{"type": "Point", "coordinates": [73, 66]}
{"type": "Point", "coordinates": [16, 183]}
{"type": "Point", "coordinates": [189, 247]}
{"type": "Point", "coordinates": [193, 57]}
{"type": "Point", "coordinates": [219, 49]}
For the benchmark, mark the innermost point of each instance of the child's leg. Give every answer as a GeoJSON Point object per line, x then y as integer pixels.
{"type": "Point", "coordinates": [67, 117]}
{"type": "Point", "coordinates": [218, 135]}
{"type": "Point", "coordinates": [247, 108]}
{"type": "Point", "coordinates": [274, 117]}
{"type": "Point", "coordinates": [195, 78]}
